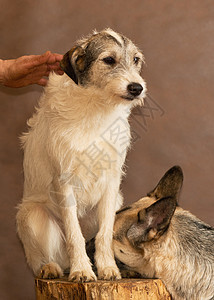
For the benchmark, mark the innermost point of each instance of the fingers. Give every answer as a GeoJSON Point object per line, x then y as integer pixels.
{"type": "Point", "coordinates": [55, 57]}
{"type": "Point", "coordinates": [51, 58]}
{"type": "Point", "coordinates": [59, 72]}
{"type": "Point", "coordinates": [43, 82]}
{"type": "Point", "coordinates": [47, 69]}
{"type": "Point", "coordinates": [56, 68]}
{"type": "Point", "coordinates": [43, 65]}
{"type": "Point", "coordinates": [38, 60]}
{"type": "Point", "coordinates": [52, 62]}
{"type": "Point", "coordinates": [46, 58]}
{"type": "Point", "coordinates": [31, 69]}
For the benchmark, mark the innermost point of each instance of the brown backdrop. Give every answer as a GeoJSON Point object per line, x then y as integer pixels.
{"type": "Point", "coordinates": [175, 127]}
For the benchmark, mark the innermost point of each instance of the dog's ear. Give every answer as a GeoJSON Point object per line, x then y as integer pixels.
{"type": "Point", "coordinates": [152, 221]}
{"type": "Point", "coordinates": [73, 62]}
{"type": "Point", "coordinates": [169, 185]}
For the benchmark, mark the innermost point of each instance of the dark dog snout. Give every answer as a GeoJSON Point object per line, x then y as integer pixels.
{"type": "Point", "coordinates": [134, 89]}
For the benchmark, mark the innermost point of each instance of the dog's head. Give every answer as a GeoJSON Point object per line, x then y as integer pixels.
{"type": "Point", "coordinates": [108, 61]}
{"type": "Point", "coordinates": [140, 225]}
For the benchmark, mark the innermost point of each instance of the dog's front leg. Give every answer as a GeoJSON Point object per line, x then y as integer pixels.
{"type": "Point", "coordinates": [104, 256]}
{"type": "Point", "coordinates": [80, 266]}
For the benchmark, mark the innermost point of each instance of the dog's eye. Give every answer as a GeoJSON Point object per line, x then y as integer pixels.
{"type": "Point", "coordinates": [121, 251]}
{"type": "Point", "coordinates": [109, 60]}
{"type": "Point", "coordinates": [136, 60]}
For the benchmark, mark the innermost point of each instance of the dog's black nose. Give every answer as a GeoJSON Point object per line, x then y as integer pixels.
{"type": "Point", "coordinates": [134, 88]}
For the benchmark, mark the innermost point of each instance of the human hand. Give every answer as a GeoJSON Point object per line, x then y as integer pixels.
{"type": "Point", "coordinates": [30, 69]}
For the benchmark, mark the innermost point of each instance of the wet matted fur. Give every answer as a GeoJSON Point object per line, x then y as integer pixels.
{"type": "Point", "coordinates": [73, 158]}
{"type": "Point", "coordinates": [158, 239]}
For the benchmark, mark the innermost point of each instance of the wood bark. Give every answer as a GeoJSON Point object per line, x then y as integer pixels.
{"type": "Point", "coordinates": [125, 289]}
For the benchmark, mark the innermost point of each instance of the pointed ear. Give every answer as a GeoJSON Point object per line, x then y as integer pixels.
{"type": "Point", "coordinates": [152, 221]}
{"type": "Point", "coordinates": [73, 63]}
{"type": "Point", "coordinates": [169, 185]}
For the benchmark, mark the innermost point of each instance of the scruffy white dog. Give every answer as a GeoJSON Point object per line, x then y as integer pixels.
{"type": "Point", "coordinates": [73, 158]}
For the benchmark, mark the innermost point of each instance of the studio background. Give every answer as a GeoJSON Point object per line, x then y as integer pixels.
{"type": "Point", "coordinates": [176, 126]}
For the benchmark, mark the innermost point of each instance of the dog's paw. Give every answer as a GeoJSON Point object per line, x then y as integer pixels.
{"type": "Point", "coordinates": [51, 271]}
{"type": "Point", "coordinates": [82, 276]}
{"type": "Point", "coordinates": [109, 273]}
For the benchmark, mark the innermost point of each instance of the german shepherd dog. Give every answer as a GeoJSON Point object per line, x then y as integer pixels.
{"type": "Point", "coordinates": [158, 239]}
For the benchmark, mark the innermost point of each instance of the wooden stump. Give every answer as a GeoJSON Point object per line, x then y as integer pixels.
{"type": "Point", "coordinates": [125, 289]}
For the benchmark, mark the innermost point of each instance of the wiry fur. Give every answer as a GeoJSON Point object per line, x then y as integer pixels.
{"type": "Point", "coordinates": [159, 240]}
{"type": "Point", "coordinates": [68, 199]}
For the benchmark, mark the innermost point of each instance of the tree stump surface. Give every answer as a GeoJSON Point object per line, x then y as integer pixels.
{"type": "Point", "coordinates": [124, 289]}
